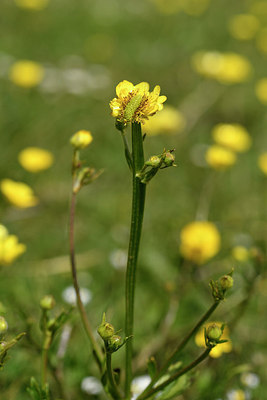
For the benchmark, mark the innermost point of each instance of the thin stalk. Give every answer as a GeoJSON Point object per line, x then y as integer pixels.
{"type": "Point", "coordinates": [45, 348]}
{"type": "Point", "coordinates": [180, 347]}
{"type": "Point", "coordinates": [177, 375]}
{"type": "Point", "coordinates": [138, 203]}
{"type": "Point", "coordinates": [88, 329]}
{"type": "Point", "coordinates": [113, 387]}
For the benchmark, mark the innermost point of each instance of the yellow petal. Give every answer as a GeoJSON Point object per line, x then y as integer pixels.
{"type": "Point", "coordinates": [162, 99]}
{"type": "Point", "coordinates": [142, 87]}
{"type": "Point", "coordinates": [124, 88]}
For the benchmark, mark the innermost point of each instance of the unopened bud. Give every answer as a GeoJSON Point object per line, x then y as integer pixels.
{"type": "Point", "coordinates": [105, 330]}
{"type": "Point", "coordinates": [154, 162]}
{"type": "Point", "coordinates": [47, 302]}
{"type": "Point", "coordinates": [114, 343]}
{"type": "Point", "coordinates": [214, 332]}
{"type": "Point", "coordinates": [3, 325]}
{"type": "Point", "coordinates": [81, 139]}
{"type": "Point", "coordinates": [226, 282]}
{"type": "Point", "coordinates": [169, 159]}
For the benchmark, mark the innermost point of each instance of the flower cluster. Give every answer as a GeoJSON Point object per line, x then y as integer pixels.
{"type": "Point", "coordinates": [136, 103]}
{"type": "Point", "coordinates": [10, 248]}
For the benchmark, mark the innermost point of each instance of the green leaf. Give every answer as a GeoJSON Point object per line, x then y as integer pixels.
{"type": "Point", "coordinates": [174, 388]}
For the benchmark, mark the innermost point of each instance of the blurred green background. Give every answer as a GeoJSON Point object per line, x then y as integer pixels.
{"type": "Point", "coordinates": [86, 47]}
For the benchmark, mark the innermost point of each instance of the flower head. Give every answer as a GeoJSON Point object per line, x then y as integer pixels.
{"type": "Point", "coordinates": [240, 253]}
{"type": "Point", "coordinates": [81, 139]}
{"type": "Point", "coordinates": [233, 136]}
{"type": "Point", "coordinates": [136, 103]}
{"type": "Point", "coordinates": [18, 193]}
{"type": "Point", "coordinates": [262, 162]}
{"type": "Point", "coordinates": [220, 348]}
{"type": "Point", "coordinates": [226, 68]}
{"type": "Point", "coordinates": [220, 158]}
{"type": "Point", "coordinates": [34, 159]}
{"type": "Point", "coordinates": [10, 248]}
{"type": "Point", "coordinates": [168, 121]}
{"type": "Point", "coordinates": [26, 73]}
{"type": "Point", "coordinates": [200, 241]}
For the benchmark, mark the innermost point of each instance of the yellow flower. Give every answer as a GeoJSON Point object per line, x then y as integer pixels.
{"type": "Point", "coordinates": [244, 26]}
{"type": "Point", "coordinates": [240, 253]}
{"type": "Point", "coordinates": [10, 248]}
{"type": "Point", "coordinates": [168, 121]}
{"type": "Point", "coordinates": [220, 158]}
{"type": "Point", "coordinates": [136, 103]}
{"type": "Point", "coordinates": [261, 90]}
{"type": "Point", "coordinates": [233, 136]}
{"type": "Point", "coordinates": [81, 139]}
{"type": "Point", "coordinates": [226, 68]}
{"type": "Point", "coordinates": [17, 193]}
{"type": "Point", "coordinates": [262, 162]}
{"type": "Point", "coordinates": [200, 241]}
{"type": "Point", "coordinates": [26, 73]}
{"type": "Point", "coordinates": [221, 348]}
{"type": "Point", "coordinates": [34, 159]}
{"type": "Point", "coordinates": [35, 5]}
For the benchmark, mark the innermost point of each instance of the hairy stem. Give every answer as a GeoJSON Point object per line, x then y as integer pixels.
{"type": "Point", "coordinates": [138, 203]}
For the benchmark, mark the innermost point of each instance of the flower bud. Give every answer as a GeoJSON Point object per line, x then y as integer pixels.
{"type": "Point", "coordinates": [169, 159]}
{"type": "Point", "coordinates": [47, 302]}
{"type": "Point", "coordinates": [105, 330]}
{"type": "Point", "coordinates": [114, 343]}
{"type": "Point", "coordinates": [3, 325]}
{"type": "Point", "coordinates": [81, 139]}
{"type": "Point", "coordinates": [154, 162]}
{"type": "Point", "coordinates": [226, 282]}
{"type": "Point", "coordinates": [214, 332]}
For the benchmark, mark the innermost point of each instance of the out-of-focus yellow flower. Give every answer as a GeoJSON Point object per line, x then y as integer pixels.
{"type": "Point", "coordinates": [26, 73]}
{"type": "Point", "coordinates": [221, 348]}
{"type": "Point", "coordinates": [259, 8]}
{"type": "Point", "coordinates": [200, 241]}
{"type": "Point", "coordinates": [195, 7]}
{"type": "Point", "coordinates": [10, 248]}
{"type": "Point", "coordinates": [261, 90]}
{"type": "Point", "coordinates": [220, 158]}
{"type": "Point", "coordinates": [227, 68]}
{"type": "Point", "coordinates": [17, 193]}
{"type": "Point", "coordinates": [34, 159]}
{"type": "Point", "coordinates": [136, 103]}
{"type": "Point", "coordinates": [168, 121]}
{"type": "Point", "coordinates": [240, 253]}
{"type": "Point", "coordinates": [35, 5]}
{"type": "Point", "coordinates": [244, 26]}
{"type": "Point", "coordinates": [168, 7]}
{"type": "Point", "coordinates": [233, 136]}
{"type": "Point", "coordinates": [261, 40]}
{"type": "Point", "coordinates": [81, 139]}
{"type": "Point", "coordinates": [262, 162]}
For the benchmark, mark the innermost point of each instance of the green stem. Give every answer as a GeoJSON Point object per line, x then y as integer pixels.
{"type": "Point", "coordinates": [138, 203]}
{"type": "Point", "coordinates": [46, 346]}
{"type": "Point", "coordinates": [177, 375]}
{"type": "Point", "coordinates": [96, 349]}
{"type": "Point", "coordinates": [180, 347]}
{"type": "Point", "coordinates": [113, 387]}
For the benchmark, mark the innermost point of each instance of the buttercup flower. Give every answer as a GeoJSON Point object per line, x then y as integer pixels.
{"type": "Point", "coordinates": [220, 158]}
{"type": "Point", "coordinates": [10, 248]}
{"type": "Point", "coordinates": [136, 103]}
{"type": "Point", "coordinates": [220, 348]}
{"type": "Point", "coordinates": [200, 241]}
{"type": "Point", "coordinates": [168, 121]}
{"type": "Point", "coordinates": [18, 193]}
{"type": "Point", "coordinates": [233, 136]}
{"type": "Point", "coordinates": [261, 90]}
{"type": "Point", "coordinates": [227, 68]}
{"type": "Point", "coordinates": [34, 159]}
{"type": "Point", "coordinates": [26, 73]}
{"type": "Point", "coordinates": [262, 162]}
{"type": "Point", "coordinates": [244, 26]}
{"type": "Point", "coordinates": [81, 139]}
{"type": "Point", "coordinates": [35, 5]}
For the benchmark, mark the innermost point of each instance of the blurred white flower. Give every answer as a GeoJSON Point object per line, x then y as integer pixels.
{"type": "Point", "coordinates": [139, 384]}
{"type": "Point", "coordinates": [69, 295]}
{"type": "Point", "coordinates": [91, 385]}
{"type": "Point", "coordinates": [236, 394]}
{"type": "Point", "coordinates": [118, 258]}
{"type": "Point", "coordinates": [250, 379]}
